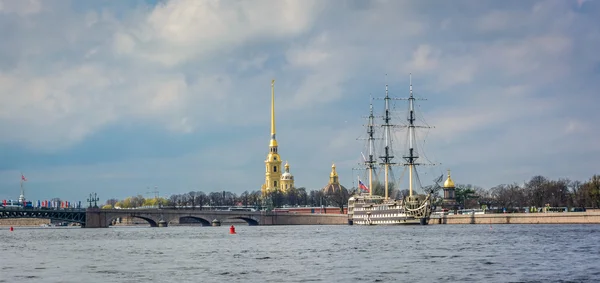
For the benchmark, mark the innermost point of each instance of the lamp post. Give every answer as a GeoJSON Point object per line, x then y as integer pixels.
{"type": "Point", "coordinates": [93, 198]}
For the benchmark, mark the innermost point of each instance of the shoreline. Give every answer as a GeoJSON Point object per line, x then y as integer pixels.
{"type": "Point", "coordinates": [588, 217]}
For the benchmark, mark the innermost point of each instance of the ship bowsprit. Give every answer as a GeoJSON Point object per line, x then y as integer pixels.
{"type": "Point", "coordinates": [418, 206]}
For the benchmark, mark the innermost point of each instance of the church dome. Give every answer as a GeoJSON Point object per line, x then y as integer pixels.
{"type": "Point", "coordinates": [287, 175]}
{"type": "Point", "coordinates": [333, 188]}
{"type": "Point", "coordinates": [449, 183]}
{"type": "Point", "coordinates": [334, 183]}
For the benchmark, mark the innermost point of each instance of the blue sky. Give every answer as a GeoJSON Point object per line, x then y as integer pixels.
{"type": "Point", "coordinates": [117, 97]}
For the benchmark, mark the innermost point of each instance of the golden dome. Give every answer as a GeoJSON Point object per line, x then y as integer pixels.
{"type": "Point", "coordinates": [287, 165]}
{"type": "Point", "coordinates": [333, 172]}
{"type": "Point", "coordinates": [449, 183]}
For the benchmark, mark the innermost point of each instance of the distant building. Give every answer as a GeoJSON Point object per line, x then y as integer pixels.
{"type": "Point", "coordinates": [449, 201]}
{"type": "Point", "coordinates": [275, 179]}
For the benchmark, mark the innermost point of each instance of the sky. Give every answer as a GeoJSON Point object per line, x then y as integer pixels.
{"type": "Point", "coordinates": [125, 97]}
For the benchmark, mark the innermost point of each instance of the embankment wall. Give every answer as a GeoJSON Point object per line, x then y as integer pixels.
{"type": "Point", "coordinates": [521, 218]}
{"type": "Point", "coordinates": [304, 219]}
{"type": "Point", "coordinates": [23, 222]}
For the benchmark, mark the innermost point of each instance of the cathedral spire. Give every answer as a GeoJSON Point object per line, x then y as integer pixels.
{"type": "Point", "coordinates": [273, 143]}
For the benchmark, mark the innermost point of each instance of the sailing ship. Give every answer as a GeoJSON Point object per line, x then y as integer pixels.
{"type": "Point", "coordinates": [365, 208]}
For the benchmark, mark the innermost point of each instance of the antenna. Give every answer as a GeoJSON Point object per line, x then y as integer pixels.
{"type": "Point", "coordinates": [156, 192]}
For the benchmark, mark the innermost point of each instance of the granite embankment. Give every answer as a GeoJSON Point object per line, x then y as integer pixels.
{"type": "Point", "coordinates": [589, 217]}
{"type": "Point", "coordinates": [23, 222]}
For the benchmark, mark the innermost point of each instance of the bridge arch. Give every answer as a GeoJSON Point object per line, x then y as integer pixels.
{"type": "Point", "coordinates": [251, 221]}
{"type": "Point", "coordinates": [147, 219]}
{"type": "Point", "coordinates": [194, 219]}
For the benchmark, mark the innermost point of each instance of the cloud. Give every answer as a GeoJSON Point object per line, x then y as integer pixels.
{"type": "Point", "coordinates": [179, 30]}
{"type": "Point", "coordinates": [507, 83]}
{"type": "Point", "coordinates": [21, 8]}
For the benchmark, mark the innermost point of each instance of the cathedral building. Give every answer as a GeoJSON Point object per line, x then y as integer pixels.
{"type": "Point", "coordinates": [275, 177]}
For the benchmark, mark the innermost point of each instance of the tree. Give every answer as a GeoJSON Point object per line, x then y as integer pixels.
{"type": "Point", "coordinates": [202, 199]}
{"type": "Point", "coordinates": [302, 196]}
{"type": "Point", "coordinates": [535, 191]}
{"type": "Point", "coordinates": [192, 198]}
{"type": "Point", "coordinates": [112, 201]}
{"type": "Point", "coordinates": [215, 198]}
{"type": "Point", "coordinates": [592, 189]}
{"type": "Point", "coordinates": [464, 193]}
{"type": "Point", "coordinates": [291, 196]}
{"type": "Point", "coordinates": [577, 194]}
{"type": "Point", "coordinates": [245, 198]}
{"type": "Point", "coordinates": [339, 198]}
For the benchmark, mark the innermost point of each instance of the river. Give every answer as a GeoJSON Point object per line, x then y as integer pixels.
{"type": "Point", "coordinates": [434, 253]}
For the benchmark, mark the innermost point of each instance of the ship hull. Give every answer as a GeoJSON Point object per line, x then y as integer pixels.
{"type": "Point", "coordinates": [393, 219]}
{"type": "Point", "coordinates": [420, 221]}
{"type": "Point", "coordinates": [374, 210]}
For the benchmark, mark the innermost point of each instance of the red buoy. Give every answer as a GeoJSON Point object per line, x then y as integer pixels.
{"type": "Point", "coordinates": [231, 230]}
{"type": "Point", "coordinates": [11, 228]}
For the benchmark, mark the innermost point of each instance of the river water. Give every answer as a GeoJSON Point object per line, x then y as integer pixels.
{"type": "Point", "coordinates": [434, 253]}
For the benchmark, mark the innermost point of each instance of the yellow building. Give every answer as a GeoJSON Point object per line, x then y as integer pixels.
{"type": "Point", "coordinates": [334, 183]}
{"type": "Point", "coordinates": [287, 179]}
{"type": "Point", "coordinates": [275, 179]}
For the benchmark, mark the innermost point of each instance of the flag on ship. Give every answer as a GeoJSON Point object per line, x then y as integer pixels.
{"type": "Point", "coordinates": [23, 178]}
{"type": "Point", "coordinates": [362, 186]}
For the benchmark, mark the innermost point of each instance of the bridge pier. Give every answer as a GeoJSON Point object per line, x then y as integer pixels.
{"type": "Point", "coordinates": [95, 218]}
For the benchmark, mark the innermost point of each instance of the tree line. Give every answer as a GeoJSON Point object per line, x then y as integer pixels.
{"type": "Point", "coordinates": [200, 199]}
{"type": "Point", "coordinates": [537, 192]}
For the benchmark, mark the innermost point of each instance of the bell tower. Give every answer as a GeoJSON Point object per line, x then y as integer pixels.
{"type": "Point", "coordinates": [273, 161]}
{"type": "Point", "coordinates": [449, 194]}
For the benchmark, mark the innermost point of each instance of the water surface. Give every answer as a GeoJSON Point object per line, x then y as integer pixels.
{"type": "Point", "coordinates": [435, 253]}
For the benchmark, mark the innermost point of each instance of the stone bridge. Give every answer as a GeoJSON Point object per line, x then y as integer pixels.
{"type": "Point", "coordinates": [98, 218]}
{"type": "Point", "coordinates": [102, 218]}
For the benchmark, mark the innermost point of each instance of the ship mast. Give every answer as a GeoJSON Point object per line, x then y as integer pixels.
{"type": "Point", "coordinates": [412, 152]}
{"type": "Point", "coordinates": [387, 157]}
{"type": "Point", "coordinates": [371, 161]}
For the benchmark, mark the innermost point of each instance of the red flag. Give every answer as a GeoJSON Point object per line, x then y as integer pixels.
{"type": "Point", "coordinates": [23, 178]}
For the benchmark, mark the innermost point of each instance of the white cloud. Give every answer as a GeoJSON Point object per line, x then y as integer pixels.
{"type": "Point", "coordinates": [179, 30]}
{"type": "Point", "coordinates": [206, 66]}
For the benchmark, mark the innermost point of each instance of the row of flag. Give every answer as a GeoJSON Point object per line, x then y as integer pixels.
{"type": "Point", "coordinates": [44, 204]}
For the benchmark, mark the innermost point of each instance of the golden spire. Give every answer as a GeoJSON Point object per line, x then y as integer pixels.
{"type": "Point", "coordinates": [287, 166]}
{"type": "Point", "coordinates": [449, 183]}
{"type": "Point", "coordinates": [273, 142]}
{"type": "Point", "coordinates": [333, 177]}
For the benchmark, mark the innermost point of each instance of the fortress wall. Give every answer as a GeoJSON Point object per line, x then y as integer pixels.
{"type": "Point", "coordinates": [23, 222]}
{"type": "Point", "coordinates": [305, 219]}
{"type": "Point", "coordinates": [522, 218]}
